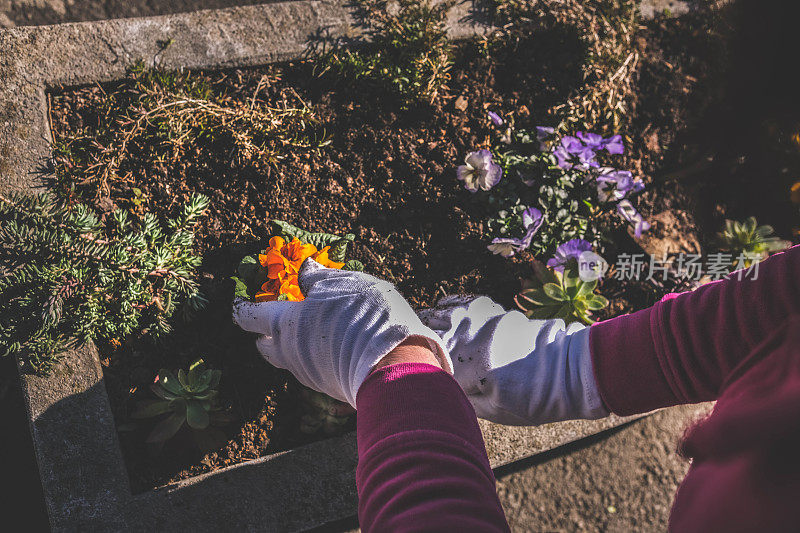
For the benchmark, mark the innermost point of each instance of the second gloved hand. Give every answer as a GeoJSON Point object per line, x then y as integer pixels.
{"type": "Point", "coordinates": [331, 340]}
{"type": "Point", "coordinates": [514, 370]}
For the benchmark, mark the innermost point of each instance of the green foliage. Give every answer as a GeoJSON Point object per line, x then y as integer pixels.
{"type": "Point", "coordinates": [189, 398]}
{"type": "Point", "coordinates": [566, 198]}
{"type": "Point", "coordinates": [250, 275]}
{"type": "Point", "coordinates": [554, 294]}
{"type": "Point", "coordinates": [749, 241]}
{"type": "Point", "coordinates": [323, 413]}
{"type": "Point", "coordinates": [68, 275]}
{"type": "Point", "coordinates": [407, 52]}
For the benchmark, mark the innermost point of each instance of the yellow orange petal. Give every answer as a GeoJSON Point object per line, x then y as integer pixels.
{"type": "Point", "coordinates": [277, 243]}
{"type": "Point", "coordinates": [322, 258]}
{"type": "Point", "coordinates": [297, 251]}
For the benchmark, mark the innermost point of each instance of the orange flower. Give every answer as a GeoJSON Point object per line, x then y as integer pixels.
{"type": "Point", "coordinates": [283, 261]}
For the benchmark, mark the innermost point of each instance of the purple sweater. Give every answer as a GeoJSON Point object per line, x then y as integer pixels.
{"type": "Point", "coordinates": [422, 461]}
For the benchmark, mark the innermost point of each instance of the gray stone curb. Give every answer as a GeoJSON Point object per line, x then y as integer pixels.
{"type": "Point", "coordinates": [83, 475]}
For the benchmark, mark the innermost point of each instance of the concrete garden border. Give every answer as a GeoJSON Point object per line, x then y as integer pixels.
{"type": "Point", "coordinates": [80, 463]}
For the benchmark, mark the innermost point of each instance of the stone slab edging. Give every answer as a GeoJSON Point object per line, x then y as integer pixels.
{"type": "Point", "coordinates": [80, 463]}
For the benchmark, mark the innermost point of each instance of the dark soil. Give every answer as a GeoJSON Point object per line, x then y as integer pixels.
{"type": "Point", "coordinates": [389, 177]}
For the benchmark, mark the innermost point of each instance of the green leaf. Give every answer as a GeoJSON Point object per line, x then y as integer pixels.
{"type": "Point", "coordinates": [354, 265]}
{"type": "Point", "coordinates": [151, 408]}
{"type": "Point", "coordinates": [240, 289]}
{"type": "Point", "coordinates": [167, 428]}
{"type": "Point", "coordinates": [586, 288]}
{"type": "Point", "coordinates": [597, 302]}
{"type": "Point", "coordinates": [183, 379]}
{"type": "Point", "coordinates": [248, 265]}
{"type": "Point", "coordinates": [196, 369]}
{"type": "Point", "coordinates": [571, 277]}
{"type": "Point", "coordinates": [196, 416]}
{"type": "Point", "coordinates": [533, 297]}
{"type": "Point", "coordinates": [542, 313]}
{"type": "Point", "coordinates": [216, 375]}
{"type": "Point", "coordinates": [169, 382]}
{"type": "Point", "coordinates": [554, 292]}
{"type": "Point", "coordinates": [339, 248]}
{"type": "Point", "coordinates": [319, 240]}
{"type": "Point", "coordinates": [251, 276]}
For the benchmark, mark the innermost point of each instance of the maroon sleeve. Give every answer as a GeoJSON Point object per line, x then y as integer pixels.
{"type": "Point", "coordinates": [422, 463]}
{"type": "Point", "coordinates": [684, 348]}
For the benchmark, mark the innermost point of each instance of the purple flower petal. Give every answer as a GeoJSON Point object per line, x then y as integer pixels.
{"type": "Point", "coordinates": [531, 217]}
{"type": "Point", "coordinates": [627, 211]}
{"type": "Point", "coordinates": [562, 157]}
{"type": "Point", "coordinates": [496, 119]}
{"type": "Point", "coordinates": [504, 247]}
{"type": "Point", "coordinates": [614, 145]}
{"type": "Point", "coordinates": [573, 145]}
{"type": "Point", "coordinates": [592, 140]}
{"type": "Point", "coordinates": [480, 172]}
{"type": "Point", "coordinates": [569, 250]}
{"type": "Point", "coordinates": [543, 132]}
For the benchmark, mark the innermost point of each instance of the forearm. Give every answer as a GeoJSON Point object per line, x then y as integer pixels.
{"type": "Point", "coordinates": [683, 349]}
{"type": "Point", "coordinates": [422, 461]}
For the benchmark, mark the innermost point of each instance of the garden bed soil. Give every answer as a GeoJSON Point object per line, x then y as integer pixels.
{"type": "Point", "coordinates": [388, 176]}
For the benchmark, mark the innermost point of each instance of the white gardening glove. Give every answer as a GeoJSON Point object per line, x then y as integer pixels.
{"type": "Point", "coordinates": [514, 370]}
{"type": "Point", "coordinates": [331, 340]}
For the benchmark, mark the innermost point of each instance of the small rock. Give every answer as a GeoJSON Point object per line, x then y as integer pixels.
{"type": "Point", "coordinates": [461, 103]}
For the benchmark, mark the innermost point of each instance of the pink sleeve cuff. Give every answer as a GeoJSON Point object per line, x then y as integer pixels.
{"type": "Point", "coordinates": [400, 398]}
{"type": "Point", "coordinates": [629, 376]}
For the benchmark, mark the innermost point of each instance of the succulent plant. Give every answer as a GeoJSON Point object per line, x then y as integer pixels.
{"type": "Point", "coordinates": [323, 413]}
{"type": "Point", "coordinates": [554, 294]}
{"type": "Point", "coordinates": [189, 398]}
{"type": "Point", "coordinates": [750, 242]}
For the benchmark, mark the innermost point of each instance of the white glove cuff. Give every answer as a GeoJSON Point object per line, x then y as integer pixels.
{"type": "Point", "coordinates": [384, 342]}
{"type": "Point", "coordinates": [590, 406]}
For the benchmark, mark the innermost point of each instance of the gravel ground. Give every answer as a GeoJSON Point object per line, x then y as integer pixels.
{"type": "Point", "coordinates": [624, 481]}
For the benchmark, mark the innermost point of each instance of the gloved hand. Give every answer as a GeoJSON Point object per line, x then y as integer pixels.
{"type": "Point", "coordinates": [331, 340]}
{"type": "Point", "coordinates": [514, 370]}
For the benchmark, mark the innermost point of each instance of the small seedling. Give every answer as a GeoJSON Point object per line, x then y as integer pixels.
{"type": "Point", "coordinates": [190, 399]}
{"type": "Point", "coordinates": [323, 413]}
{"type": "Point", "coordinates": [407, 52]}
{"type": "Point", "coordinates": [750, 242]}
{"type": "Point", "coordinates": [554, 294]}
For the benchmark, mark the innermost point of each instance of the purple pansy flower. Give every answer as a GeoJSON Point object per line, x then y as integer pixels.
{"type": "Point", "coordinates": [497, 120]}
{"type": "Point", "coordinates": [613, 145]}
{"type": "Point", "coordinates": [572, 148]}
{"type": "Point", "coordinates": [532, 220]}
{"type": "Point", "coordinates": [504, 246]}
{"type": "Point", "coordinates": [613, 184]}
{"type": "Point", "coordinates": [569, 250]}
{"type": "Point", "coordinates": [479, 172]}
{"type": "Point", "coordinates": [629, 213]}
